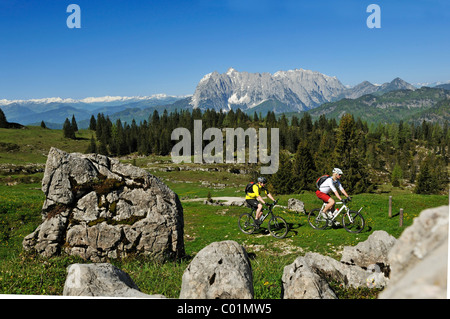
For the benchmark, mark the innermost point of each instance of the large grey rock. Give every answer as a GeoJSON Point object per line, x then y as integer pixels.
{"type": "Point", "coordinates": [221, 270]}
{"type": "Point", "coordinates": [416, 263]}
{"type": "Point", "coordinates": [372, 251]}
{"type": "Point", "coordinates": [418, 260]}
{"type": "Point", "coordinates": [296, 205]}
{"type": "Point", "coordinates": [308, 277]}
{"type": "Point", "coordinates": [97, 208]}
{"type": "Point", "coordinates": [300, 281]}
{"type": "Point", "coordinates": [101, 280]}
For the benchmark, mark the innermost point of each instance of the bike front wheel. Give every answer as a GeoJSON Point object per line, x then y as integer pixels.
{"type": "Point", "coordinates": [317, 219]}
{"type": "Point", "coordinates": [353, 222]}
{"type": "Point", "coordinates": [247, 223]}
{"type": "Point", "coordinates": [278, 227]}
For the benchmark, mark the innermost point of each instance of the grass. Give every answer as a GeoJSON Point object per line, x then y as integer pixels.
{"type": "Point", "coordinates": [20, 209]}
{"type": "Point", "coordinates": [31, 144]}
{"type": "Point", "coordinates": [24, 273]}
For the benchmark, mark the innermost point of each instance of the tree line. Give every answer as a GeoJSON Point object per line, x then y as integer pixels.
{"type": "Point", "coordinates": [369, 154]}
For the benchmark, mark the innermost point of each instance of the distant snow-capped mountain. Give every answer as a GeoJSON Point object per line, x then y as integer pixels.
{"type": "Point", "coordinates": [91, 100]}
{"type": "Point", "coordinates": [293, 90]}
{"type": "Point", "coordinates": [56, 109]}
{"type": "Point", "coordinates": [431, 84]}
{"type": "Point", "coordinates": [284, 91]}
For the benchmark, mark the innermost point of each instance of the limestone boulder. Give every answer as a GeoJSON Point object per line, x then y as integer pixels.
{"type": "Point", "coordinates": [221, 270]}
{"type": "Point", "coordinates": [101, 280]}
{"type": "Point", "coordinates": [418, 260]}
{"type": "Point", "coordinates": [98, 208]}
{"type": "Point", "coordinates": [373, 251]}
{"type": "Point", "coordinates": [296, 205]}
{"type": "Point", "coordinates": [308, 277]}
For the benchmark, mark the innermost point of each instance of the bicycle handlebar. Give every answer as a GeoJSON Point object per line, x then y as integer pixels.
{"type": "Point", "coordinates": [346, 200]}
{"type": "Point", "coordinates": [272, 204]}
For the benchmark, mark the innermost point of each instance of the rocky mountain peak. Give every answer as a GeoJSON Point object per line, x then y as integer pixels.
{"type": "Point", "coordinates": [299, 89]}
{"type": "Point", "coordinates": [296, 90]}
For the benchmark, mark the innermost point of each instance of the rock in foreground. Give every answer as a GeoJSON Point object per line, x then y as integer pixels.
{"type": "Point", "coordinates": [221, 270]}
{"type": "Point", "coordinates": [98, 208]}
{"type": "Point", "coordinates": [101, 280]}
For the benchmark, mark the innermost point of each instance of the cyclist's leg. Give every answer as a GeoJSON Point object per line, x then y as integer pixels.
{"type": "Point", "coordinates": [327, 199]}
{"type": "Point", "coordinates": [253, 203]}
{"type": "Point", "coordinates": [329, 205]}
{"type": "Point", "coordinates": [259, 211]}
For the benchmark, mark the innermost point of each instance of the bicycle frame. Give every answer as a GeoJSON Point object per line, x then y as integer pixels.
{"type": "Point", "coordinates": [352, 221]}
{"type": "Point", "coordinates": [264, 216]}
{"type": "Point", "coordinates": [336, 214]}
{"type": "Point", "coordinates": [278, 227]}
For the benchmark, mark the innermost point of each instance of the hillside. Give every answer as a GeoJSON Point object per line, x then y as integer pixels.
{"type": "Point", "coordinates": [32, 143]}
{"type": "Point", "coordinates": [395, 106]}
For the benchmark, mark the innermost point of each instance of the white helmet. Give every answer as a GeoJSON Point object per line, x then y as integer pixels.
{"type": "Point", "coordinates": [337, 171]}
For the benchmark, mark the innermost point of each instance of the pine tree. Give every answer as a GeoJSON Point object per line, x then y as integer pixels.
{"type": "Point", "coordinates": [68, 131]}
{"type": "Point", "coordinates": [255, 117]}
{"type": "Point", "coordinates": [271, 120]}
{"type": "Point", "coordinates": [155, 119]}
{"type": "Point", "coordinates": [3, 121]}
{"type": "Point", "coordinates": [102, 149]}
{"type": "Point", "coordinates": [397, 175]}
{"type": "Point", "coordinates": [282, 180]}
{"type": "Point", "coordinates": [99, 126]}
{"type": "Point", "coordinates": [424, 180]}
{"type": "Point", "coordinates": [93, 123]}
{"type": "Point", "coordinates": [305, 125]}
{"type": "Point", "coordinates": [120, 142]}
{"type": "Point", "coordinates": [349, 158]}
{"type": "Point", "coordinates": [74, 124]}
{"type": "Point", "coordinates": [92, 148]}
{"type": "Point", "coordinates": [304, 170]}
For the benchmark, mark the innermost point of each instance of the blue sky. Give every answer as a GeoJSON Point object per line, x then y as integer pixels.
{"type": "Point", "coordinates": [147, 47]}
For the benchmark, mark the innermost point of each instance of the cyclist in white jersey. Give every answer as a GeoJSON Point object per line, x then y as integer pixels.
{"type": "Point", "coordinates": [331, 184]}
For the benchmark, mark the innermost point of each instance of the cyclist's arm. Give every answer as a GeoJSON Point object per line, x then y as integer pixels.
{"type": "Point", "coordinates": [260, 199]}
{"type": "Point", "coordinates": [337, 194]}
{"type": "Point", "coordinates": [344, 192]}
{"type": "Point", "coordinates": [270, 196]}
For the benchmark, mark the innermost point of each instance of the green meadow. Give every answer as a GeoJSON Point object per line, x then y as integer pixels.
{"type": "Point", "coordinates": [21, 200]}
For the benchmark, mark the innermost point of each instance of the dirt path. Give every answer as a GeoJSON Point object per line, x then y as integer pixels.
{"type": "Point", "coordinates": [225, 200]}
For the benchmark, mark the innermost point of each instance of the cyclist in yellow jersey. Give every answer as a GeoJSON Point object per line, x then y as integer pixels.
{"type": "Point", "coordinates": [254, 199]}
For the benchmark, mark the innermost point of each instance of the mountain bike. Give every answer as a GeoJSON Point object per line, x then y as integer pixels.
{"type": "Point", "coordinates": [278, 227]}
{"type": "Point", "coordinates": [352, 220]}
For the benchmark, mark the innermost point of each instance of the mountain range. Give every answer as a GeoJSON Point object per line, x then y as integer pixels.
{"type": "Point", "coordinates": [284, 91]}
{"type": "Point", "coordinates": [54, 111]}
{"type": "Point", "coordinates": [289, 91]}
{"type": "Point", "coordinates": [430, 104]}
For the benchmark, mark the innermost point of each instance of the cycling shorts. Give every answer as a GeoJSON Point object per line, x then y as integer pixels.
{"type": "Point", "coordinates": [323, 196]}
{"type": "Point", "coordinates": [253, 203]}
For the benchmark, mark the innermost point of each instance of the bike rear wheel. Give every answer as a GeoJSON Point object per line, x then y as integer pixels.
{"type": "Point", "coordinates": [278, 227]}
{"type": "Point", "coordinates": [356, 225]}
{"type": "Point", "coordinates": [247, 223]}
{"type": "Point", "coordinates": [317, 219]}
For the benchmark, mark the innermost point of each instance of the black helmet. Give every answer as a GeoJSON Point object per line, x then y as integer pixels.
{"type": "Point", "coordinates": [262, 180]}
